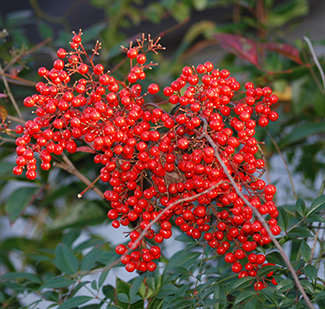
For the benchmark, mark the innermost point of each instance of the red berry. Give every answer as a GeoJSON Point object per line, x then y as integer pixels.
{"type": "Point", "coordinates": [132, 53]}
{"type": "Point", "coordinates": [153, 88]}
{"type": "Point", "coordinates": [141, 59]}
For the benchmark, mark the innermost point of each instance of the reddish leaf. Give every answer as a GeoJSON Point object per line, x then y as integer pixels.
{"type": "Point", "coordinates": [243, 48]}
{"type": "Point", "coordinates": [3, 113]}
{"type": "Point", "coordinates": [85, 149]}
{"type": "Point", "coordinates": [2, 95]}
{"type": "Point", "coordinates": [286, 50]}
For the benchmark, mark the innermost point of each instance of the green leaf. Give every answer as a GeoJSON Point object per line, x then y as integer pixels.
{"type": "Point", "coordinates": [180, 258]}
{"type": "Point", "coordinates": [308, 286]}
{"type": "Point", "coordinates": [153, 12]}
{"type": "Point", "coordinates": [90, 259]}
{"type": "Point", "coordinates": [71, 236]}
{"type": "Point", "coordinates": [276, 258]}
{"type": "Point", "coordinates": [57, 283]}
{"type": "Point", "coordinates": [178, 270]}
{"type": "Point", "coordinates": [300, 207]}
{"type": "Point", "coordinates": [109, 291]}
{"type": "Point", "coordinates": [244, 296]}
{"type": "Point", "coordinates": [179, 302]}
{"type": "Point", "coordinates": [254, 304]}
{"type": "Point", "coordinates": [302, 132]}
{"type": "Point", "coordinates": [287, 11]}
{"type": "Point", "coordinates": [81, 214]}
{"type": "Point", "coordinates": [74, 302]}
{"type": "Point", "coordinates": [184, 238]}
{"type": "Point", "coordinates": [136, 286]}
{"type": "Point", "coordinates": [51, 296]}
{"type": "Point", "coordinates": [311, 272]}
{"type": "Point", "coordinates": [267, 269]}
{"type": "Point", "coordinates": [180, 11]}
{"type": "Point", "coordinates": [153, 280]}
{"type": "Point", "coordinates": [123, 298]}
{"type": "Point", "coordinates": [94, 285]}
{"type": "Point", "coordinates": [283, 218]}
{"type": "Point", "coordinates": [317, 205]}
{"type": "Point", "coordinates": [319, 296]}
{"type": "Point", "coordinates": [220, 295]}
{"type": "Point", "coordinates": [27, 276]}
{"type": "Point", "coordinates": [135, 299]}
{"type": "Point", "coordinates": [44, 30]}
{"type": "Point", "coordinates": [240, 283]}
{"type": "Point", "coordinates": [300, 232]}
{"type": "Point", "coordinates": [93, 32]}
{"type": "Point", "coordinates": [305, 251]}
{"type": "Point", "coordinates": [102, 278]}
{"type": "Point", "coordinates": [286, 302]}
{"type": "Point", "coordinates": [284, 285]}
{"type": "Point", "coordinates": [18, 201]}
{"type": "Point", "coordinates": [65, 260]}
{"type": "Point", "coordinates": [77, 288]}
{"type": "Point", "coordinates": [200, 5]}
{"type": "Point", "coordinates": [268, 293]}
{"type": "Point", "coordinates": [167, 289]}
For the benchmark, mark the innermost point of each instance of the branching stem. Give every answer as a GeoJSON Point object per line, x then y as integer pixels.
{"type": "Point", "coordinates": [260, 218]}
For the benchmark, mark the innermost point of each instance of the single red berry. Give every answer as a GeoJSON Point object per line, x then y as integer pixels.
{"type": "Point", "coordinates": [141, 59]}
{"type": "Point", "coordinates": [61, 53]}
{"type": "Point", "coordinates": [153, 88]}
{"type": "Point", "coordinates": [132, 53]}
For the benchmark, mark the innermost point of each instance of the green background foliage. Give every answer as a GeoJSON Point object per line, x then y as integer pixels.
{"type": "Point", "coordinates": [56, 247]}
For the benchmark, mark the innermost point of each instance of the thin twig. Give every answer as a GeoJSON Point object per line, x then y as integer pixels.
{"type": "Point", "coordinates": [28, 52]}
{"type": "Point", "coordinates": [285, 163]}
{"type": "Point", "coordinates": [321, 72]}
{"type": "Point", "coordinates": [10, 94]}
{"type": "Point", "coordinates": [312, 72]}
{"type": "Point", "coordinates": [18, 80]}
{"type": "Point", "coordinates": [13, 118]}
{"type": "Point", "coordinates": [315, 242]}
{"type": "Point", "coordinates": [163, 33]}
{"type": "Point", "coordinates": [69, 167]}
{"type": "Point", "coordinates": [259, 216]}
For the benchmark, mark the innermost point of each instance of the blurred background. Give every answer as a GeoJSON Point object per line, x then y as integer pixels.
{"type": "Point", "coordinates": [256, 40]}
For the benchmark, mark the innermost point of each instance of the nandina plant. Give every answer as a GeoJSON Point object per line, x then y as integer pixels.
{"type": "Point", "coordinates": [198, 166]}
{"type": "Point", "coordinates": [169, 154]}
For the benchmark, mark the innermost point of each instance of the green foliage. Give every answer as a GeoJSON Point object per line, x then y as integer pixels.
{"type": "Point", "coordinates": [53, 264]}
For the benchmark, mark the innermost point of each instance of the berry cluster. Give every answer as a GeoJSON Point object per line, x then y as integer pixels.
{"type": "Point", "coordinates": [151, 159]}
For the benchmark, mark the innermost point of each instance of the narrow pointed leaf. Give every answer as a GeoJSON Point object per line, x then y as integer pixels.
{"type": "Point", "coordinates": [65, 260]}
{"type": "Point", "coordinates": [284, 285]}
{"type": "Point", "coordinates": [305, 251]}
{"type": "Point", "coordinates": [244, 296]}
{"type": "Point", "coordinates": [317, 205]}
{"type": "Point", "coordinates": [300, 207]}
{"type": "Point", "coordinates": [75, 302]}
{"type": "Point", "coordinates": [18, 201]}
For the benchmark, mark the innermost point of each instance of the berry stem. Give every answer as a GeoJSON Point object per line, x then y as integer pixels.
{"type": "Point", "coordinates": [69, 167]}
{"type": "Point", "coordinates": [90, 186]}
{"type": "Point", "coordinates": [9, 93]}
